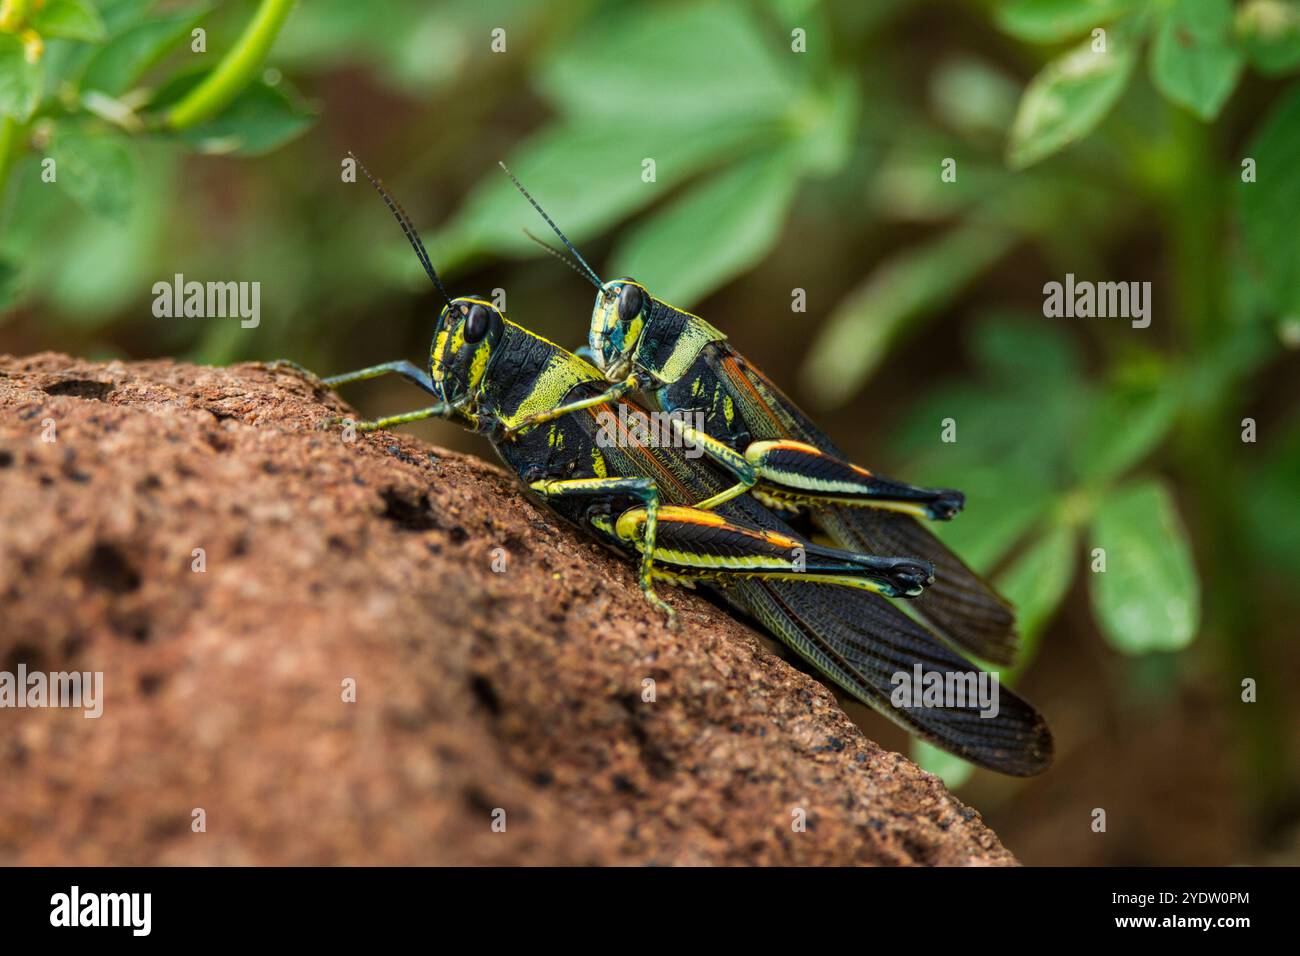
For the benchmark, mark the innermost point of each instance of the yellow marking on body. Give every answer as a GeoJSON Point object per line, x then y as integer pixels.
{"type": "Point", "coordinates": [790, 505]}
{"type": "Point", "coordinates": [789, 444]}
{"type": "Point", "coordinates": [862, 584]}
{"type": "Point", "coordinates": [479, 364]}
{"type": "Point", "coordinates": [548, 485]}
{"type": "Point", "coordinates": [439, 350]}
{"type": "Point", "coordinates": [633, 333]}
{"type": "Point", "coordinates": [693, 339]}
{"type": "Point", "coordinates": [684, 513]}
{"type": "Point", "coordinates": [818, 486]}
{"type": "Point", "coordinates": [562, 373]}
{"type": "Point", "coordinates": [482, 302]}
{"type": "Point", "coordinates": [728, 409]}
{"type": "Point", "coordinates": [598, 463]}
{"type": "Point", "coordinates": [779, 496]}
{"type": "Point", "coordinates": [758, 563]}
{"type": "Point", "coordinates": [630, 522]}
{"type": "Point", "coordinates": [681, 580]}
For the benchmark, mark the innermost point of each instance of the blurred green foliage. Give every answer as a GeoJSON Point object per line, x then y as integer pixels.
{"type": "Point", "coordinates": [1105, 138]}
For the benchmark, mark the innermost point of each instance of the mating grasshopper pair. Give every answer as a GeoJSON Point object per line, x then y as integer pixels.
{"type": "Point", "coordinates": [713, 523]}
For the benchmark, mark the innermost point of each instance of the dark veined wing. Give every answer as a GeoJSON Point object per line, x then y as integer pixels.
{"type": "Point", "coordinates": [861, 642]}
{"type": "Point", "coordinates": [963, 607]}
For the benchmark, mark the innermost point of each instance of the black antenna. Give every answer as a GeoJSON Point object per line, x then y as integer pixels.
{"type": "Point", "coordinates": [408, 228]}
{"type": "Point", "coordinates": [590, 272]}
{"type": "Point", "coordinates": [557, 253]}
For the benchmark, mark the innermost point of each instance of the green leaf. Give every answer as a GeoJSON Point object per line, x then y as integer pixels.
{"type": "Point", "coordinates": [1037, 583]}
{"type": "Point", "coordinates": [70, 19]}
{"type": "Point", "coordinates": [95, 169]}
{"type": "Point", "coordinates": [1123, 426]}
{"type": "Point", "coordinates": [125, 58]}
{"type": "Point", "coordinates": [260, 119]}
{"type": "Point", "coordinates": [1270, 34]}
{"type": "Point", "coordinates": [20, 80]}
{"type": "Point", "coordinates": [1068, 98]}
{"type": "Point", "coordinates": [1148, 598]}
{"type": "Point", "coordinates": [898, 292]}
{"type": "Point", "coordinates": [717, 230]}
{"type": "Point", "coordinates": [1267, 207]}
{"type": "Point", "coordinates": [587, 175]}
{"type": "Point", "coordinates": [1051, 21]}
{"type": "Point", "coordinates": [692, 63]}
{"type": "Point", "coordinates": [1194, 60]}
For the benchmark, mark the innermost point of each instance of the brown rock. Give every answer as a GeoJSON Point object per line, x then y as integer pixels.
{"type": "Point", "coordinates": [474, 690]}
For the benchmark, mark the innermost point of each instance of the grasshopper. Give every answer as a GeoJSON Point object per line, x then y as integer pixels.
{"type": "Point", "coordinates": [679, 362]}
{"type": "Point", "coordinates": [503, 381]}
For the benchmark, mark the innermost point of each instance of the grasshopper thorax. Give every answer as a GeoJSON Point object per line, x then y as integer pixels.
{"type": "Point", "coordinates": [617, 322]}
{"type": "Point", "coordinates": [468, 330]}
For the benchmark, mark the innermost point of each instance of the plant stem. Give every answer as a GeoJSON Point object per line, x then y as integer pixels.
{"type": "Point", "coordinates": [236, 69]}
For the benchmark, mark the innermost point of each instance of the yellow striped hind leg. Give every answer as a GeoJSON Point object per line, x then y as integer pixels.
{"type": "Point", "coordinates": [796, 473]}
{"type": "Point", "coordinates": [707, 546]}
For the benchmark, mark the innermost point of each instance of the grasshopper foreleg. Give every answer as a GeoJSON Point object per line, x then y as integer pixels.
{"type": "Point", "coordinates": [441, 410]}
{"type": "Point", "coordinates": [407, 370]}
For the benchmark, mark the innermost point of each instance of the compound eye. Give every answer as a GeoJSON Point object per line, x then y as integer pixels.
{"type": "Point", "coordinates": [476, 324]}
{"type": "Point", "coordinates": [629, 303]}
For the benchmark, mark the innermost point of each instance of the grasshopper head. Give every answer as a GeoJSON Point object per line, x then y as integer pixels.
{"type": "Point", "coordinates": [617, 322]}
{"type": "Point", "coordinates": [467, 331]}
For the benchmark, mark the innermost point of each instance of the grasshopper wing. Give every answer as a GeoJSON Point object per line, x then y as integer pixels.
{"type": "Point", "coordinates": [864, 643]}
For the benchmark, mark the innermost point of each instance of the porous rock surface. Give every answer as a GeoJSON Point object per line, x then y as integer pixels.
{"type": "Point", "coordinates": [505, 667]}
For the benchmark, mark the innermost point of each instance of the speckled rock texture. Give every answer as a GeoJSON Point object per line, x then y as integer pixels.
{"type": "Point", "coordinates": [480, 695]}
